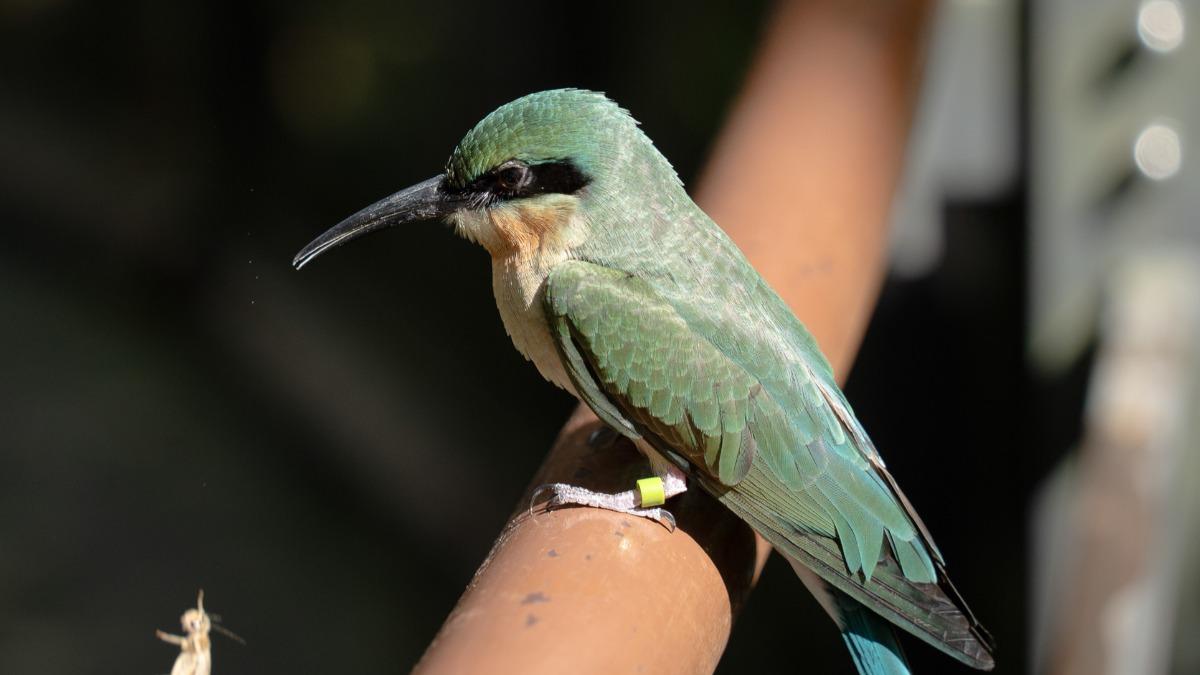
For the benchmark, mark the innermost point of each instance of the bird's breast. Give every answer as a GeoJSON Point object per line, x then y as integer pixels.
{"type": "Point", "coordinates": [520, 287]}
{"type": "Point", "coordinates": [526, 241]}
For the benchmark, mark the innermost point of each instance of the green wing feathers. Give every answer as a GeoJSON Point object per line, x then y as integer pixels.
{"type": "Point", "coordinates": [675, 386]}
{"type": "Point", "coordinates": [642, 356]}
{"type": "Point", "coordinates": [772, 440]}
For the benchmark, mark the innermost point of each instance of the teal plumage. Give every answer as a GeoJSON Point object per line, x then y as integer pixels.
{"type": "Point", "coordinates": [640, 304]}
{"type": "Point", "coordinates": [871, 641]}
{"type": "Point", "coordinates": [690, 347]}
{"type": "Point", "coordinates": [792, 471]}
{"type": "Point", "coordinates": [559, 124]}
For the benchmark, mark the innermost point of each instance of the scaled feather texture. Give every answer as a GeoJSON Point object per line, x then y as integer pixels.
{"type": "Point", "coordinates": [669, 333]}
{"type": "Point", "coordinates": [622, 290]}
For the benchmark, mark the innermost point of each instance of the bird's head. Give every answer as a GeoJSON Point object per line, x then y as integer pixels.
{"type": "Point", "coordinates": [522, 176]}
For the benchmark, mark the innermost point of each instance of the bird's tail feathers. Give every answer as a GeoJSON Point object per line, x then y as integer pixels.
{"type": "Point", "coordinates": [871, 640]}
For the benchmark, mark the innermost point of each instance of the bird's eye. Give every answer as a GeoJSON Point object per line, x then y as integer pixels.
{"type": "Point", "coordinates": [512, 177]}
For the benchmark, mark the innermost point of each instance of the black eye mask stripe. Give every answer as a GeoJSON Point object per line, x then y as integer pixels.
{"type": "Point", "coordinates": [560, 176]}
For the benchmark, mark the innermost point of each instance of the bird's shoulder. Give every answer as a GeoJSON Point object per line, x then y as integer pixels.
{"type": "Point", "coordinates": [705, 365]}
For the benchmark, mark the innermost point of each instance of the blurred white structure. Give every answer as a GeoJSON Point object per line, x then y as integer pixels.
{"type": "Point", "coordinates": [1115, 528]}
{"type": "Point", "coordinates": [1114, 104]}
{"type": "Point", "coordinates": [1115, 262]}
{"type": "Point", "coordinates": [964, 137]}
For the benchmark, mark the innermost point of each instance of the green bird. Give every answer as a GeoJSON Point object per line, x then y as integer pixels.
{"type": "Point", "coordinates": [624, 293]}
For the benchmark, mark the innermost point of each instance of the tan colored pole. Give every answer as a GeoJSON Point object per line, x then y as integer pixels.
{"type": "Point", "coordinates": [801, 178]}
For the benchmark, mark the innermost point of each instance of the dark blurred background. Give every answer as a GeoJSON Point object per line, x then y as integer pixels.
{"type": "Point", "coordinates": [179, 409]}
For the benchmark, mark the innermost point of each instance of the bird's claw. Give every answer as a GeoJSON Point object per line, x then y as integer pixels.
{"type": "Point", "coordinates": [622, 502]}
{"type": "Point", "coordinates": [537, 492]}
{"type": "Point", "coordinates": [658, 514]}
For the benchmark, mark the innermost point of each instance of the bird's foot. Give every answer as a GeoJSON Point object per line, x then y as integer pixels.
{"type": "Point", "coordinates": [628, 502]}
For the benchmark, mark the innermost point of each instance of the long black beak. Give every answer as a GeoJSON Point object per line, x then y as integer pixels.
{"type": "Point", "coordinates": [424, 201]}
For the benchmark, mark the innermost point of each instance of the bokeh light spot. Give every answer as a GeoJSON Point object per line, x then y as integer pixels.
{"type": "Point", "coordinates": [1160, 24]}
{"type": "Point", "coordinates": [1158, 152]}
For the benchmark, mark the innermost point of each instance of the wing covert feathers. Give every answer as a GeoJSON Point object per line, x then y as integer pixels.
{"type": "Point", "coordinates": [771, 438]}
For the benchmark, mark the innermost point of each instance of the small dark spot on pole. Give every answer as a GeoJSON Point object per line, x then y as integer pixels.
{"type": "Point", "coordinates": [587, 556]}
{"type": "Point", "coordinates": [626, 523]}
{"type": "Point", "coordinates": [551, 553]}
{"type": "Point", "coordinates": [530, 620]}
{"type": "Point", "coordinates": [535, 597]}
{"type": "Point", "coordinates": [619, 533]}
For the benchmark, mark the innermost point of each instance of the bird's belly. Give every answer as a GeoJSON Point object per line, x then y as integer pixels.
{"type": "Point", "coordinates": [519, 290]}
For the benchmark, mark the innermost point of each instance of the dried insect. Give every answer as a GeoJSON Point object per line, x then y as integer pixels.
{"type": "Point", "coordinates": [195, 653]}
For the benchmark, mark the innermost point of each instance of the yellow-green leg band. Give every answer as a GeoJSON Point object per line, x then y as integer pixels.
{"type": "Point", "coordinates": [652, 491]}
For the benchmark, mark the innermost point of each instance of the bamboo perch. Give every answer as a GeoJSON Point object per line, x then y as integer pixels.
{"type": "Point", "coordinates": [801, 178]}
